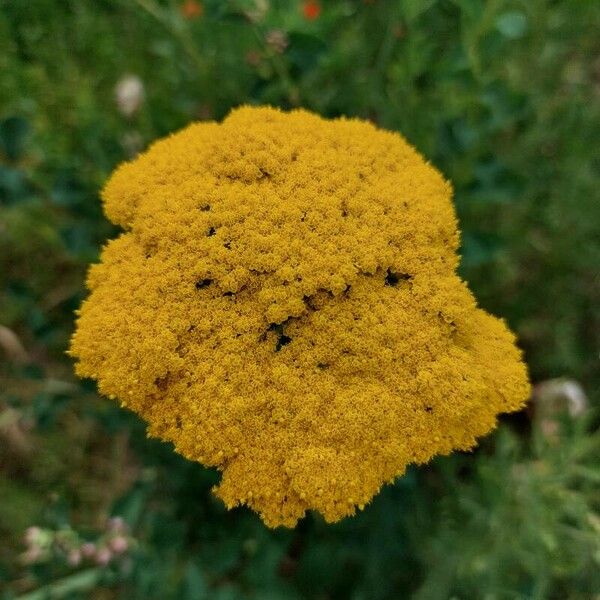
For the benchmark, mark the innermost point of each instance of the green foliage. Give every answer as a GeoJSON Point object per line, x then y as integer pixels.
{"type": "Point", "coordinates": [501, 95]}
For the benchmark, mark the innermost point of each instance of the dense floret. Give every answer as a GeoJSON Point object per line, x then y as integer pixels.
{"type": "Point", "coordinates": [284, 305]}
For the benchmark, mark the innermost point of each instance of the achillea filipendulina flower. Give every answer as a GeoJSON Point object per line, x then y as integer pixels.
{"type": "Point", "coordinates": [284, 305]}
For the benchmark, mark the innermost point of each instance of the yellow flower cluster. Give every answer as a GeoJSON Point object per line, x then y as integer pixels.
{"type": "Point", "coordinates": [284, 305]}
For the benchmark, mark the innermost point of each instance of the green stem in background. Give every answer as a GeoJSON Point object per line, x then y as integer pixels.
{"type": "Point", "coordinates": [388, 42]}
{"type": "Point", "coordinates": [178, 30]}
{"type": "Point", "coordinates": [291, 89]}
{"type": "Point", "coordinates": [475, 32]}
{"type": "Point", "coordinates": [78, 582]}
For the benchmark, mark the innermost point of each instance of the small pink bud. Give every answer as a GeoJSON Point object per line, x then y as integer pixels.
{"type": "Point", "coordinates": [32, 555]}
{"type": "Point", "coordinates": [32, 535]}
{"type": "Point", "coordinates": [74, 557]}
{"type": "Point", "coordinates": [103, 556]}
{"type": "Point", "coordinates": [116, 524]}
{"type": "Point", "coordinates": [88, 550]}
{"type": "Point", "coordinates": [119, 544]}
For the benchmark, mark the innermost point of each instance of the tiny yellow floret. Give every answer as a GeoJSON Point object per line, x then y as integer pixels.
{"type": "Point", "coordinates": [283, 305]}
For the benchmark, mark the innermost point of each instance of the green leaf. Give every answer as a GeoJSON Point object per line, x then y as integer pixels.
{"type": "Point", "coordinates": [13, 132]}
{"type": "Point", "coordinates": [82, 581]}
{"type": "Point", "coordinates": [67, 190]}
{"type": "Point", "coordinates": [194, 583]}
{"type": "Point", "coordinates": [13, 185]}
{"type": "Point", "coordinates": [478, 249]}
{"type": "Point", "coordinates": [414, 8]}
{"type": "Point", "coordinates": [305, 50]}
{"type": "Point", "coordinates": [512, 24]}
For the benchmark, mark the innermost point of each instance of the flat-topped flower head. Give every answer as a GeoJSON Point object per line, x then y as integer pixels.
{"type": "Point", "coordinates": [283, 305]}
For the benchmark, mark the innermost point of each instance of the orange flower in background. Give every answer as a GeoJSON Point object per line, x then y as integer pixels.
{"type": "Point", "coordinates": [311, 10]}
{"type": "Point", "coordinates": [191, 9]}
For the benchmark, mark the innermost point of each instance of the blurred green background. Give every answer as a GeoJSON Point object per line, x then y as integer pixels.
{"type": "Point", "coordinates": [503, 96]}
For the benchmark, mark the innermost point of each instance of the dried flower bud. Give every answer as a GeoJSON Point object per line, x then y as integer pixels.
{"type": "Point", "coordinates": [253, 58]}
{"type": "Point", "coordinates": [278, 40]}
{"type": "Point", "coordinates": [129, 93]}
{"type": "Point", "coordinates": [557, 395]}
{"type": "Point", "coordinates": [258, 12]}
